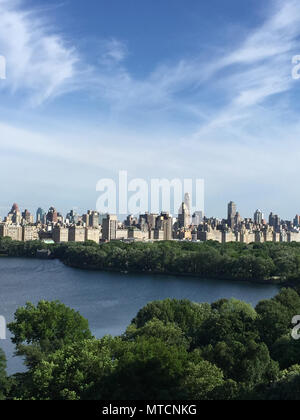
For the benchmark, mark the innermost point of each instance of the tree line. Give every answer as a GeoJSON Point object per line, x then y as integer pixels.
{"type": "Point", "coordinates": [273, 262]}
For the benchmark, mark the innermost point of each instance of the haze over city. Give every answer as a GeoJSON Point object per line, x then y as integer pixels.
{"type": "Point", "coordinates": [205, 92]}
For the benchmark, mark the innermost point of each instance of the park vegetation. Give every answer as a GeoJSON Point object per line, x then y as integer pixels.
{"type": "Point", "coordinates": [172, 350]}
{"type": "Point", "coordinates": [256, 262]}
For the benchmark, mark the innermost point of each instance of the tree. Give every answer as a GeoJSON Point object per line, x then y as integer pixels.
{"type": "Point", "coordinates": [74, 371]}
{"type": "Point", "coordinates": [168, 332]}
{"type": "Point", "coordinates": [187, 315]}
{"type": "Point", "coordinates": [275, 315]}
{"type": "Point", "coordinates": [148, 369]}
{"type": "Point", "coordinates": [201, 379]}
{"type": "Point", "coordinates": [3, 377]}
{"type": "Point", "coordinates": [286, 351]}
{"type": "Point", "coordinates": [42, 329]}
{"type": "Point", "coordinates": [247, 363]}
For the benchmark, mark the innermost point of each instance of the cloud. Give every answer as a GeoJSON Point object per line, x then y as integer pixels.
{"type": "Point", "coordinates": [114, 51]}
{"type": "Point", "coordinates": [39, 61]}
{"type": "Point", "coordinates": [245, 129]}
{"type": "Point", "coordinates": [45, 65]}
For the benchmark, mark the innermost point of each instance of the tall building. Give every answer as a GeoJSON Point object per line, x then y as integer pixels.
{"type": "Point", "coordinates": [40, 216]}
{"type": "Point", "coordinates": [30, 233]}
{"type": "Point", "coordinates": [27, 217]}
{"type": "Point", "coordinates": [164, 223]}
{"type": "Point", "coordinates": [274, 221]}
{"type": "Point", "coordinates": [109, 227]}
{"type": "Point", "coordinates": [187, 202]}
{"type": "Point", "coordinates": [14, 232]}
{"type": "Point", "coordinates": [92, 234]}
{"type": "Point", "coordinates": [14, 216]}
{"type": "Point", "coordinates": [52, 216]}
{"type": "Point", "coordinates": [183, 216]}
{"type": "Point", "coordinates": [258, 217]}
{"type": "Point", "coordinates": [60, 234]}
{"type": "Point", "coordinates": [198, 218]}
{"type": "Point", "coordinates": [297, 221]}
{"type": "Point", "coordinates": [94, 219]}
{"type": "Point", "coordinates": [232, 210]}
{"type": "Point", "coordinates": [72, 217]}
{"type": "Point", "coordinates": [77, 234]}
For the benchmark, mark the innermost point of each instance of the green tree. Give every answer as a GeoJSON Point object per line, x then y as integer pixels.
{"type": "Point", "coordinates": [74, 371]}
{"type": "Point", "coordinates": [275, 315]}
{"type": "Point", "coordinates": [3, 377]}
{"type": "Point", "coordinates": [201, 379]}
{"type": "Point", "coordinates": [42, 329]}
{"type": "Point", "coordinates": [188, 316]}
{"type": "Point", "coordinates": [168, 332]}
{"type": "Point", "coordinates": [148, 369]}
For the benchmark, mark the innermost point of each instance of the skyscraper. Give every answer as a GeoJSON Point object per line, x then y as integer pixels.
{"type": "Point", "coordinates": [109, 227]}
{"type": "Point", "coordinates": [183, 216]}
{"type": "Point", "coordinates": [52, 215]}
{"type": "Point", "coordinates": [40, 215]}
{"type": "Point", "coordinates": [187, 202]}
{"type": "Point", "coordinates": [232, 209]}
{"type": "Point", "coordinates": [15, 215]}
{"type": "Point", "coordinates": [258, 217]}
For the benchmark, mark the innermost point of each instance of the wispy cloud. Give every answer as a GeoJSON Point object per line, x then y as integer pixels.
{"type": "Point", "coordinates": [45, 64]}
{"type": "Point", "coordinates": [39, 61]}
{"type": "Point", "coordinates": [113, 51]}
{"type": "Point", "coordinates": [236, 101]}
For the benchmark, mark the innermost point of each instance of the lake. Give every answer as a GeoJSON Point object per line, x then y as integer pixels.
{"type": "Point", "coordinates": [108, 300]}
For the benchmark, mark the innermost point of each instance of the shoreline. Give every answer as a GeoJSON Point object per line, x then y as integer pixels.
{"type": "Point", "coordinates": [271, 282]}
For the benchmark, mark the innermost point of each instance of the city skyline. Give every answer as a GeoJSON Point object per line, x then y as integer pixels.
{"type": "Point", "coordinates": [82, 210]}
{"type": "Point", "coordinates": [53, 227]}
{"type": "Point", "coordinates": [258, 216]}
{"type": "Point", "coordinates": [205, 92]}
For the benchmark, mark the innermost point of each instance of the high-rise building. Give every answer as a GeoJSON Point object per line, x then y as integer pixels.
{"type": "Point", "coordinates": [60, 234]}
{"type": "Point", "coordinates": [232, 210]}
{"type": "Point", "coordinates": [297, 221]}
{"type": "Point", "coordinates": [274, 221]}
{"type": "Point", "coordinates": [52, 215]}
{"type": "Point", "coordinates": [258, 217]}
{"type": "Point", "coordinates": [72, 217]}
{"type": "Point", "coordinates": [92, 234]}
{"type": "Point", "coordinates": [14, 232]}
{"type": "Point", "coordinates": [30, 233]}
{"type": "Point", "coordinates": [187, 202]}
{"type": "Point", "coordinates": [183, 216]}
{"type": "Point", "coordinates": [40, 216]}
{"type": "Point", "coordinates": [14, 216]}
{"type": "Point", "coordinates": [198, 218]}
{"type": "Point", "coordinates": [94, 219]}
{"type": "Point", "coordinates": [164, 222]}
{"type": "Point", "coordinates": [27, 217]}
{"type": "Point", "coordinates": [109, 227]}
{"type": "Point", "coordinates": [77, 234]}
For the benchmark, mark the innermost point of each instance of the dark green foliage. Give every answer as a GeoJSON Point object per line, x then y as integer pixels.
{"type": "Point", "coordinates": [3, 377]}
{"type": "Point", "coordinates": [275, 316]}
{"type": "Point", "coordinates": [187, 315]}
{"type": "Point", "coordinates": [173, 350]}
{"type": "Point", "coordinates": [276, 262]}
{"type": "Point", "coordinates": [42, 329]}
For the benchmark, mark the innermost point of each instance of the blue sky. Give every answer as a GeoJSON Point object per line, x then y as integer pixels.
{"type": "Point", "coordinates": [188, 89]}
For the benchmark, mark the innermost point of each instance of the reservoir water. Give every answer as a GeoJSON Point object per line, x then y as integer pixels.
{"type": "Point", "coordinates": [108, 300]}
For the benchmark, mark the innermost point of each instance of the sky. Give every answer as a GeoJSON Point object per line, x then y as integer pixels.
{"type": "Point", "coordinates": [162, 89]}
